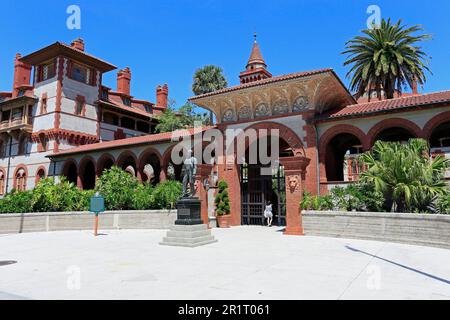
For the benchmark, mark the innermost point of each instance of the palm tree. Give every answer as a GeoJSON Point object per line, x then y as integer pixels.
{"type": "Point", "coordinates": [208, 79]}
{"type": "Point", "coordinates": [386, 58]}
{"type": "Point", "coordinates": [405, 174]}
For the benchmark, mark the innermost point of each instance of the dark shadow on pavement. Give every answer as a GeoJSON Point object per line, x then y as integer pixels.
{"type": "Point", "coordinates": [7, 263]}
{"type": "Point", "coordinates": [401, 265]}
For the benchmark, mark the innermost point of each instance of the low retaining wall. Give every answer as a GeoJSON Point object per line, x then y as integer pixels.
{"type": "Point", "coordinates": [44, 222]}
{"type": "Point", "coordinates": [419, 229]}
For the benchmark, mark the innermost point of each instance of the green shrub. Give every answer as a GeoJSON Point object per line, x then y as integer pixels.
{"type": "Point", "coordinates": [357, 197]}
{"type": "Point", "coordinates": [17, 202]}
{"type": "Point", "coordinates": [166, 195]}
{"type": "Point", "coordinates": [405, 174]}
{"type": "Point", "coordinates": [317, 203]}
{"type": "Point", "coordinates": [142, 198]}
{"type": "Point", "coordinates": [444, 204]}
{"type": "Point", "coordinates": [84, 200]}
{"type": "Point", "coordinates": [117, 187]}
{"type": "Point", "coordinates": [222, 200]}
{"type": "Point", "coordinates": [49, 196]}
{"type": "Point", "coordinates": [441, 205]}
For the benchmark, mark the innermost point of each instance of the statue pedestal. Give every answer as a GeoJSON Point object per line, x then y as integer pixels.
{"type": "Point", "coordinates": [189, 230]}
{"type": "Point", "coordinates": [189, 212]}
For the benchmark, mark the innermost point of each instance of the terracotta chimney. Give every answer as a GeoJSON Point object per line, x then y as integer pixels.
{"type": "Point", "coordinates": [78, 44]}
{"type": "Point", "coordinates": [124, 81]}
{"type": "Point", "coordinates": [162, 96]}
{"type": "Point", "coordinates": [22, 74]}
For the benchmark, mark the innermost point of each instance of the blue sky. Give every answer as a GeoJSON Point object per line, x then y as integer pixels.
{"type": "Point", "coordinates": [166, 41]}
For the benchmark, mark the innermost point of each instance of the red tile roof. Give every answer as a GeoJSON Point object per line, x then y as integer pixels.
{"type": "Point", "coordinates": [386, 105]}
{"type": "Point", "coordinates": [121, 106]}
{"type": "Point", "coordinates": [60, 48]}
{"type": "Point", "coordinates": [256, 55]}
{"type": "Point", "coordinates": [263, 82]}
{"type": "Point", "coordinates": [153, 138]}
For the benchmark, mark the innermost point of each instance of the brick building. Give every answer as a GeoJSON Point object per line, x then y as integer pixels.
{"type": "Point", "coordinates": [61, 121]}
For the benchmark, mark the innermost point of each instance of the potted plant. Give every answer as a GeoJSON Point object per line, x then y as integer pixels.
{"type": "Point", "coordinates": [223, 205]}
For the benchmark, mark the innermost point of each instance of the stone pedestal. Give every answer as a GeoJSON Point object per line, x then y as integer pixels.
{"type": "Point", "coordinates": [189, 212]}
{"type": "Point", "coordinates": [190, 236]}
{"type": "Point", "coordinates": [189, 230]}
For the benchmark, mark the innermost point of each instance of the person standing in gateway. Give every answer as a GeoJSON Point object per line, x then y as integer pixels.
{"type": "Point", "coordinates": [268, 214]}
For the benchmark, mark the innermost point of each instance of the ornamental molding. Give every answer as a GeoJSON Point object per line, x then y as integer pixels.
{"type": "Point", "coordinates": [316, 93]}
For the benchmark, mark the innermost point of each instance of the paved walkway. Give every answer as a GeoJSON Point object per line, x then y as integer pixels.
{"type": "Point", "coordinates": [246, 263]}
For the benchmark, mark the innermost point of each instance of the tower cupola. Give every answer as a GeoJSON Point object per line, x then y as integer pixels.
{"type": "Point", "coordinates": [256, 68]}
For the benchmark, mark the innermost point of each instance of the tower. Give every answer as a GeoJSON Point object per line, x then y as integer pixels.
{"type": "Point", "coordinates": [256, 68]}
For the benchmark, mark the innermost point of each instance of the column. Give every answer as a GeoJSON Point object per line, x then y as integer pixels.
{"type": "Point", "coordinates": [295, 173]}
{"type": "Point", "coordinates": [203, 173]}
{"type": "Point", "coordinates": [163, 174]}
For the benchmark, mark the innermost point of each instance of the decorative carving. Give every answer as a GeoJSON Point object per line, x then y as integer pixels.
{"type": "Point", "coordinates": [300, 104]}
{"type": "Point", "coordinates": [280, 107]}
{"type": "Point", "coordinates": [244, 112]}
{"type": "Point", "coordinates": [228, 115]}
{"type": "Point", "coordinates": [262, 110]}
{"type": "Point", "coordinates": [294, 183]}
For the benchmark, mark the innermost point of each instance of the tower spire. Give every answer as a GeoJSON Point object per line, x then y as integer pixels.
{"type": "Point", "coordinates": [256, 68]}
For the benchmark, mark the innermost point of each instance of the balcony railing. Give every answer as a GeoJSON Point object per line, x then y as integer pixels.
{"type": "Point", "coordinates": [16, 124]}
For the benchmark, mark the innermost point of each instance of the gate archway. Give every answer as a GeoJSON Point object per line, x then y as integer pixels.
{"type": "Point", "coordinates": [262, 183]}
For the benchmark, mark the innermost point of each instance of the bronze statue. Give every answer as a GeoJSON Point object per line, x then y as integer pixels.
{"type": "Point", "coordinates": [189, 172]}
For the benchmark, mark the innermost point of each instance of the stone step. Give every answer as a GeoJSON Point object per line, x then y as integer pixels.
{"type": "Point", "coordinates": [188, 240]}
{"type": "Point", "coordinates": [197, 227]}
{"type": "Point", "coordinates": [188, 245]}
{"type": "Point", "coordinates": [188, 234]}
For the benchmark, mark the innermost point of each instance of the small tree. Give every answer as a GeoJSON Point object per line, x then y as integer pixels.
{"type": "Point", "coordinates": [208, 79]}
{"type": "Point", "coordinates": [222, 199]}
{"type": "Point", "coordinates": [118, 188]}
{"type": "Point", "coordinates": [183, 118]}
{"type": "Point", "coordinates": [405, 174]}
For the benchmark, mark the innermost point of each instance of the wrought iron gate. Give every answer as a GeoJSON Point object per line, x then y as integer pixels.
{"type": "Point", "coordinates": [257, 190]}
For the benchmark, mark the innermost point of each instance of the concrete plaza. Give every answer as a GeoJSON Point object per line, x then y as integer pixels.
{"type": "Point", "coordinates": [246, 263]}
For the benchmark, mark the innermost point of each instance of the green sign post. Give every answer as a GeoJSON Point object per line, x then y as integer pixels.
{"type": "Point", "coordinates": [97, 206]}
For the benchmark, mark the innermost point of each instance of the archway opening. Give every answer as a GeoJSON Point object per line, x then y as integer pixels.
{"type": "Point", "coordinates": [341, 161]}
{"type": "Point", "coordinates": [88, 175]}
{"type": "Point", "coordinates": [263, 183]}
{"type": "Point", "coordinates": [104, 164]}
{"type": "Point", "coordinates": [395, 134]}
{"type": "Point", "coordinates": [173, 171]}
{"type": "Point", "coordinates": [150, 169]}
{"type": "Point", "coordinates": [128, 164]}
{"type": "Point", "coordinates": [440, 137]}
{"type": "Point", "coordinates": [40, 175]}
{"type": "Point", "coordinates": [71, 172]}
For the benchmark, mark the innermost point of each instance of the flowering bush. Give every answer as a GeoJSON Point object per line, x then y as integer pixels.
{"type": "Point", "coordinates": [120, 190]}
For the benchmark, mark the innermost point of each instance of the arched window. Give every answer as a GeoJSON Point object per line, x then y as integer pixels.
{"type": "Point", "coordinates": [21, 180]}
{"type": "Point", "coordinates": [23, 142]}
{"type": "Point", "coordinates": [40, 175]}
{"type": "Point", "coordinates": [44, 100]}
{"type": "Point", "coordinates": [43, 143]}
